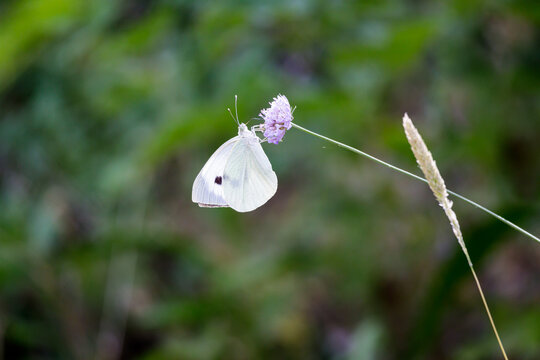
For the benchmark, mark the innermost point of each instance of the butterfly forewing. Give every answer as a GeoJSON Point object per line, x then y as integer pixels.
{"type": "Point", "coordinates": [208, 186]}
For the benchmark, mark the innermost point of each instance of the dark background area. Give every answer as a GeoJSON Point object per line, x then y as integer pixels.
{"type": "Point", "coordinates": [108, 110]}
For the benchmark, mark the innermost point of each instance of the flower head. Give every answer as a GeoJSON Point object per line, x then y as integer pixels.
{"type": "Point", "coordinates": [277, 119]}
{"type": "Point", "coordinates": [433, 176]}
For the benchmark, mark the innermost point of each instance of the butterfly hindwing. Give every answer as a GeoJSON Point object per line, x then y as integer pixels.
{"type": "Point", "coordinates": [248, 178]}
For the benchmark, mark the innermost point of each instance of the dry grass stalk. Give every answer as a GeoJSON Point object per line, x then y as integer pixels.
{"type": "Point", "coordinates": [436, 183]}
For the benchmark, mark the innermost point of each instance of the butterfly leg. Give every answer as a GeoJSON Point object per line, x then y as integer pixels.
{"type": "Point", "coordinates": [259, 127]}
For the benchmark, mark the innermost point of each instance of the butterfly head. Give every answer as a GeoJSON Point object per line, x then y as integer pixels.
{"type": "Point", "coordinates": [243, 130]}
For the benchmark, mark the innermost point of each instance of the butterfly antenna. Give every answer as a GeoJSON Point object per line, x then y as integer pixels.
{"type": "Point", "coordinates": [236, 108]}
{"type": "Point", "coordinates": [230, 112]}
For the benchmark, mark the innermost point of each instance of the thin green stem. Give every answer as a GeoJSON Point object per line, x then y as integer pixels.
{"type": "Point", "coordinates": [350, 148]}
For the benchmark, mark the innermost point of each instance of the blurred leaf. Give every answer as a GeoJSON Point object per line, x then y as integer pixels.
{"type": "Point", "coordinates": [27, 26]}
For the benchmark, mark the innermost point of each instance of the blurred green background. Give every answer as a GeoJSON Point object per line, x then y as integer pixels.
{"type": "Point", "coordinates": [108, 110]}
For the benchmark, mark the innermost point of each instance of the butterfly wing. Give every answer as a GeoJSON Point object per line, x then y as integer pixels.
{"type": "Point", "coordinates": [208, 185]}
{"type": "Point", "coordinates": [248, 178]}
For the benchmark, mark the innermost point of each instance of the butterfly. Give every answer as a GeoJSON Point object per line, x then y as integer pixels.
{"type": "Point", "coordinates": [237, 175]}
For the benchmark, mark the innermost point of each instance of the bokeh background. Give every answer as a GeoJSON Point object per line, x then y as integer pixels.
{"type": "Point", "coordinates": [108, 110]}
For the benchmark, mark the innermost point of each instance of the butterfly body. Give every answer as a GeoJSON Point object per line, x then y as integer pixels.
{"type": "Point", "coordinates": [237, 175]}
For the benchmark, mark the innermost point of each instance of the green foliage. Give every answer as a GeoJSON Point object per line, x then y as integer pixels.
{"type": "Point", "coordinates": [108, 109]}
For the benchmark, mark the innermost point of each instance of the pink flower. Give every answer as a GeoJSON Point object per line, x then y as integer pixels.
{"type": "Point", "coordinates": [277, 119]}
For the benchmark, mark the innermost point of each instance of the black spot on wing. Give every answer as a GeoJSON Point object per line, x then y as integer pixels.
{"type": "Point", "coordinates": [218, 180]}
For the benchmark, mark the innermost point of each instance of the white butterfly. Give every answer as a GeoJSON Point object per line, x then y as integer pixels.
{"type": "Point", "coordinates": [237, 175]}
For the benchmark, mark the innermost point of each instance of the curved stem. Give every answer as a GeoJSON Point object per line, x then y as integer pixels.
{"type": "Point", "coordinates": [350, 148]}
